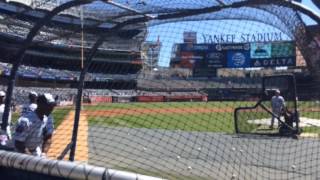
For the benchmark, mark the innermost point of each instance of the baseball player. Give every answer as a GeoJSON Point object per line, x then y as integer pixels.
{"type": "Point", "coordinates": [30, 133]}
{"type": "Point", "coordinates": [2, 106]}
{"type": "Point", "coordinates": [278, 106]}
{"type": "Point", "coordinates": [32, 105]}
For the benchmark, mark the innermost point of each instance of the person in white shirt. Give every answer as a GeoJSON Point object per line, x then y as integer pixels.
{"type": "Point", "coordinates": [2, 107]}
{"type": "Point", "coordinates": [30, 136]}
{"type": "Point", "coordinates": [278, 106]}
{"type": "Point", "coordinates": [32, 106]}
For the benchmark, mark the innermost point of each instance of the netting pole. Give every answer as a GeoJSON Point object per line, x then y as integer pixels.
{"type": "Point", "coordinates": [17, 60]}
{"type": "Point", "coordinates": [77, 114]}
{"type": "Point", "coordinates": [87, 63]}
{"type": "Point", "coordinates": [79, 97]}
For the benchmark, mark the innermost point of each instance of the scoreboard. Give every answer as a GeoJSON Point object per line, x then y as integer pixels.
{"type": "Point", "coordinates": [205, 59]}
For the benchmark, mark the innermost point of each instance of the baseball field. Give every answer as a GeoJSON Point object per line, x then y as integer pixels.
{"type": "Point", "coordinates": [190, 136]}
{"type": "Point", "coordinates": [187, 116]}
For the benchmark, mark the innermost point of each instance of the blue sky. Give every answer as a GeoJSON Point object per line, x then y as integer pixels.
{"type": "Point", "coordinates": [173, 32]}
{"type": "Point", "coordinates": [313, 7]}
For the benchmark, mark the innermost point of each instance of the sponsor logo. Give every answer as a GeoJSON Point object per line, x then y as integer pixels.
{"type": "Point", "coordinates": [260, 50]}
{"type": "Point", "coordinates": [215, 56]}
{"type": "Point", "coordinates": [238, 59]}
{"type": "Point", "coordinates": [274, 62]}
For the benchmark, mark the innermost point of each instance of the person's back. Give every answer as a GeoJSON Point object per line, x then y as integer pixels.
{"type": "Point", "coordinates": [30, 133]}
{"type": "Point", "coordinates": [29, 129]}
{"type": "Point", "coordinates": [32, 105]}
{"type": "Point", "coordinates": [2, 107]}
{"type": "Point", "coordinates": [26, 108]}
{"type": "Point", "coordinates": [277, 103]}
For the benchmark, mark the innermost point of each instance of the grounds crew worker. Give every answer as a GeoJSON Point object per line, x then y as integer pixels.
{"type": "Point", "coordinates": [2, 106]}
{"type": "Point", "coordinates": [278, 106]}
{"type": "Point", "coordinates": [31, 136]}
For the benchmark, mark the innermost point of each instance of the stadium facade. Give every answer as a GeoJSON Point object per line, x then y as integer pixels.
{"type": "Point", "coordinates": [206, 59]}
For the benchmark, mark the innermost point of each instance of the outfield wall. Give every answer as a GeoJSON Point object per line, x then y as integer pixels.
{"type": "Point", "coordinates": [100, 99]}
{"type": "Point", "coordinates": [149, 98]}
{"type": "Point", "coordinates": [185, 98]}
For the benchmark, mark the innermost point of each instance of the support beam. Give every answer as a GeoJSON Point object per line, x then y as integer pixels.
{"type": "Point", "coordinates": [306, 10]}
{"type": "Point", "coordinates": [317, 3]}
{"type": "Point", "coordinates": [121, 6]}
{"type": "Point", "coordinates": [221, 2]}
{"type": "Point", "coordinates": [84, 70]}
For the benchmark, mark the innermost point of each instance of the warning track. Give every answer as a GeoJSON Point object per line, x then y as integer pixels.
{"type": "Point", "coordinates": [140, 111]}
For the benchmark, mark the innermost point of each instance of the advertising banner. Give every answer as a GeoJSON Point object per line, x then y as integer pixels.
{"type": "Point", "coordinates": [280, 54]}
{"type": "Point", "coordinates": [238, 59]}
{"type": "Point", "coordinates": [190, 47]}
{"type": "Point", "coordinates": [206, 57]}
{"type": "Point", "coordinates": [238, 55]}
{"type": "Point", "coordinates": [187, 60]}
{"type": "Point", "coordinates": [274, 62]}
{"type": "Point", "coordinates": [283, 49]}
{"type": "Point", "coordinates": [216, 59]}
{"type": "Point", "coordinates": [260, 50]}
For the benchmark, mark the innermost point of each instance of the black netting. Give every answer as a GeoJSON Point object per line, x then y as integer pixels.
{"type": "Point", "coordinates": [171, 91]}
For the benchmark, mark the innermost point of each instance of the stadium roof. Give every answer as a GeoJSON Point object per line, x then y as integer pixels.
{"type": "Point", "coordinates": [122, 25]}
{"type": "Point", "coordinates": [317, 3]}
{"type": "Point", "coordinates": [132, 16]}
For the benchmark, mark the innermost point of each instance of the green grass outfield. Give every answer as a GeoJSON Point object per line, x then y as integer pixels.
{"type": "Point", "coordinates": [218, 104]}
{"type": "Point", "coordinates": [202, 122]}
{"type": "Point", "coordinates": [134, 105]}
{"type": "Point", "coordinates": [206, 122]}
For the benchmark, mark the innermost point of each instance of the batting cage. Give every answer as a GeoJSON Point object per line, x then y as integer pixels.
{"type": "Point", "coordinates": [278, 98]}
{"type": "Point", "coordinates": [159, 89]}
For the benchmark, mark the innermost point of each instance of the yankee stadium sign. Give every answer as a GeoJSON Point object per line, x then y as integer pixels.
{"type": "Point", "coordinates": [242, 38]}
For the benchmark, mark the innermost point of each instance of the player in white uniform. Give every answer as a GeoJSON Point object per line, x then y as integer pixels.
{"type": "Point", "coordinates": [30, 134]}
{"type": "Point", "coordinates": [2, 106]}
{"type": "Point", "coordinates": [278, 106]}
{"type": "Point", "coordinates": [32, 105]}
